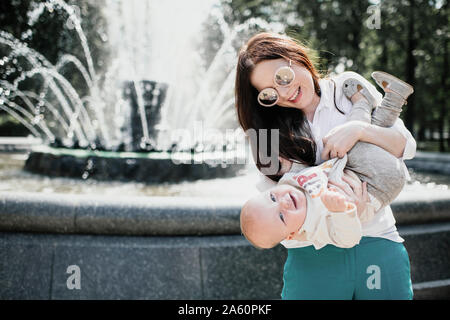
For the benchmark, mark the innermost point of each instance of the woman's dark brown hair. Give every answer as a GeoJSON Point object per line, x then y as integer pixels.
{"type": "Point", "coordinates": [295, 137]}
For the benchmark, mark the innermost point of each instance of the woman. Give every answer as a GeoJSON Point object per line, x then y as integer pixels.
{"type": "Point", "coordinates": [310, 113]}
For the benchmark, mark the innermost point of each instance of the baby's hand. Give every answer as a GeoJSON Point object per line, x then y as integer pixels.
{"type": "Point", "coordinates": [334, 201]}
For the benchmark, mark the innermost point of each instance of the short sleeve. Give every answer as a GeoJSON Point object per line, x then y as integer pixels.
{"type": "Point", "coordinates": [411, 145]}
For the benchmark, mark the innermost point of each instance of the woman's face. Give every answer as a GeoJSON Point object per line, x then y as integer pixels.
{"type": "Point", "coordinates": [299, 94]}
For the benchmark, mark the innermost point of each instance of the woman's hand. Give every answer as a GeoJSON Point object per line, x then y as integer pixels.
{"type": "Point", "coordinates": [355, 190]}
{"type": "Point", "coordinates": [342, 138]}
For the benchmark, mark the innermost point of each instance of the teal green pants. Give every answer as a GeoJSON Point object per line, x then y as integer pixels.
{"type": "Point", "coordinates": [376, 268]}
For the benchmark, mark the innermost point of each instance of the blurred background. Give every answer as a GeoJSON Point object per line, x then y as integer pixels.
{"type": "Point", "coordinates": [108, 89]}
{"type": "Point", "coordinates": [408, 38]}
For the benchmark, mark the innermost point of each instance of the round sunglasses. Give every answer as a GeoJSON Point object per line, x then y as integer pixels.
{"type": "Point", "coordinates": [283, 77]}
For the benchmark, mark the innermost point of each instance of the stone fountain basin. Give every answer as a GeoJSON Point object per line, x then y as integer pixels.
{"type": "Point", "coordinates": [176, 247]}
{"type": "Point", "coordinates": [148, 167]}
{"type": "Point", "coordinates": [137, 216]}
{"type": "Point", "coordinates": [164, 216]}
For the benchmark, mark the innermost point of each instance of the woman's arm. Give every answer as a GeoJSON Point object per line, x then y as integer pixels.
{"type": "Point", "coordinates": [397, 140]}
{"type": "Point", "coordinates": [342, 138]}
{"type": "Point", "coordinates": [387, 138]}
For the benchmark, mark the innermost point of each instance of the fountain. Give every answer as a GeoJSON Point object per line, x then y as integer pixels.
{"type": "Point", "coordinates": [147, 115]}
{"type": "Point", "coordinates": [160, 112]}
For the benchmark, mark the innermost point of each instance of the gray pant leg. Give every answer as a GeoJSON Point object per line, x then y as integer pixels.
{"type": "Point", "coordinates": [381, 170]}
{"type": "Point", "coordinates": [384, 115]}
{"type": "Point", "coordinates": [388, 112]}
{"type": "Point", "coordinates": [361, 111]}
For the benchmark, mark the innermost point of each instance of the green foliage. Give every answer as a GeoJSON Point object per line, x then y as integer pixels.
{"type": "Point", "coordinates": [52, 34]}
{"type": "Point", "coordinates": [10, 127]}
{"type": "Point", "coordinates": [411, 43]}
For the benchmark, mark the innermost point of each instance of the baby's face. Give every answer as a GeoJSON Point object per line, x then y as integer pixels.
{"type": "Point", "coordinates": [275, 214]}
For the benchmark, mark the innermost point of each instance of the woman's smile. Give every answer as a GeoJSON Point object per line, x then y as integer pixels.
{"type": "Point", "coordinates": [296, 96]}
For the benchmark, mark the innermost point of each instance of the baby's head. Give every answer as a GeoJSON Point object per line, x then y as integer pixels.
{"type": "Point", "coordinates": [273, 216]}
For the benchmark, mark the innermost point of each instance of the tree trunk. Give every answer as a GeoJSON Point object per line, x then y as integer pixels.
{"type": "Point", "coordinates": [443, 100]}
{"type": "Point", "coordinates": [357, 22]}
{"type": "Point", "coordinates": [411, 64]}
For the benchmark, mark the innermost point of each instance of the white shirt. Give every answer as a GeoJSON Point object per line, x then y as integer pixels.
{"type": "Point", "coordinates": [326, 117]}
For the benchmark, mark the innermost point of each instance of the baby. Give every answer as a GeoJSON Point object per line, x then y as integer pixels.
{"type": "Point", "coordinates": [302, 206]}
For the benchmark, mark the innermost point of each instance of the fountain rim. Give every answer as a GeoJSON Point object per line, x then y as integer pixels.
{"type": "Point", "coordinates": [148, 167]}
{"type": "Point", "coordinates": [161, 216]}
{"type": "Point", "coordinates": [157, 155]}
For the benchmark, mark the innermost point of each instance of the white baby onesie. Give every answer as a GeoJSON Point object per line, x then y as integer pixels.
{"type": "Point", "coordinates": [321, 226]}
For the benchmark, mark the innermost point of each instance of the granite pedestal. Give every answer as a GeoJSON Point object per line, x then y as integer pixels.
{"type": "Point", "coordinates": [174, 248]}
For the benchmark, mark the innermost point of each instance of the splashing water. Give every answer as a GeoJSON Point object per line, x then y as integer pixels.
{"type": "Point", "coordinates": [160, 41]}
